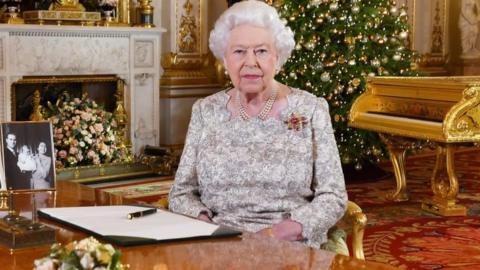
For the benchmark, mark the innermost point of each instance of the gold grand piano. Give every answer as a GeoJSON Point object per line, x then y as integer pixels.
{"type": "Point", "coordinates": [443, 111]}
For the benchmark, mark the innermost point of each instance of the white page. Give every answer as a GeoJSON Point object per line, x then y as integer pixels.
{"type": "Point", "coordinates": [112, 220]}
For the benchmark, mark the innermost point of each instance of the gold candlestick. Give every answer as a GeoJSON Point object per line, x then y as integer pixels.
{"type": "Point", "coordinates": [12, 216]}
{"type": "Point", "coordinates": [11, 15]}
{"type": "Point", "coordinates": [123, 12]}
{"type": "Point", "coordinates": [146, 14]}
{"type": "Point", "coordinates": [3, 200]}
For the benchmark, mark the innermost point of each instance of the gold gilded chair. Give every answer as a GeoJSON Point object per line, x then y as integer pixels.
{"type": "Point", "coordinates": [354, 220]}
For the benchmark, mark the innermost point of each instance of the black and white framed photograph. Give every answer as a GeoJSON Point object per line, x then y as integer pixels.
{"type": "Point", "coordinates": [27, 156]}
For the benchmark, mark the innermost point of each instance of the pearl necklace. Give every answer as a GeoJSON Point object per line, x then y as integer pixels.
{"type": "Point", "coordinates": [265, 110]}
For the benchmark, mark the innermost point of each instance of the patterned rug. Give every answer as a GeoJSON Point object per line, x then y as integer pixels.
{"type": "Point", "coordinates": [426, 243]}
{"type": "Point", "coordinates": [402, 235]}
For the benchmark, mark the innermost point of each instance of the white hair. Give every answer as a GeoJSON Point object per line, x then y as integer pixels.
{"type": "Point", "coordinates": [256, 13]}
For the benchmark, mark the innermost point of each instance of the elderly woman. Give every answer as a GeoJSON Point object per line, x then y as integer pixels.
{"type": "Point", "coordinates": [261, 156]}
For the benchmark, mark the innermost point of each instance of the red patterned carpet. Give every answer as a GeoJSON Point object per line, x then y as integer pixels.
{"type": "Point", "coordinates": [402, 235]}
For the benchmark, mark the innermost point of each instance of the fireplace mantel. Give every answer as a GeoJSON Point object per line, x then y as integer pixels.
{"type": "Point", "coordinates": [131, 53]}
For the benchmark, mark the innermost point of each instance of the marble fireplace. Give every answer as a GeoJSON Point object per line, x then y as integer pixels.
{"type": "Point", "coordinates": [132, 54]}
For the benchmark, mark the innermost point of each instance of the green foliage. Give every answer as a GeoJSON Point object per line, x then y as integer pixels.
{"type": "Point", "coordinates": [339, 44]}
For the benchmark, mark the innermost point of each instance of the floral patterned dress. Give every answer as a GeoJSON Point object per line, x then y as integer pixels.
{"type": "Point", "coordinates": [252, 174]}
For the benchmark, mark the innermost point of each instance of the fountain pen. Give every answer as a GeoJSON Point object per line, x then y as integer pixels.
{"type": "Point", "coordinates": [142, 213]}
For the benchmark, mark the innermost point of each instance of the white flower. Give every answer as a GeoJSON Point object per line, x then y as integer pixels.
{"type": "Point", "coordinates": [66, 266]}
{"type": "Point", "coordinates": [87, 244]}
{"type": "Point", "coordinates": [104, 253]}
{"type": "Point", "coordinates": [87, 261]}
{"type": "Point", "coordinates": [98, 127]}
{"type": "Point", "coordinates": [44, 264]}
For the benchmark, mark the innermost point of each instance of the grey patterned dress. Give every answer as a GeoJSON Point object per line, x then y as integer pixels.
{"type": "Point", "coordinates": [252, 174]}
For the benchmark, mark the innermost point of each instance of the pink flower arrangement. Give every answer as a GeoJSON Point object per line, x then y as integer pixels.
{"type": "Point", "coordinates": [84, 133]}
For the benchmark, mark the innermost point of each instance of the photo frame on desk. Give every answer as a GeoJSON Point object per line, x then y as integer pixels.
{"type": "Point", "coordinates": [27, 156]}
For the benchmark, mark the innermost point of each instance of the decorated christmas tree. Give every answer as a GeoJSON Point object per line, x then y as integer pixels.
{"type": "Point", "coordinates": [339, 44]}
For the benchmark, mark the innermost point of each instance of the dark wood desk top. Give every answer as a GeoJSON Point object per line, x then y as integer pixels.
{"type": "Point", "coordinates": [249, 251]}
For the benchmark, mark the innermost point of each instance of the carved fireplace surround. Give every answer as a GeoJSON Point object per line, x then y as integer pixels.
{"type": "Point", "coordinates": [133, 54]}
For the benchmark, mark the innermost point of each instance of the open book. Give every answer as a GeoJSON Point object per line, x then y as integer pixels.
{"type": "Point", "coordinates": [112, 224]}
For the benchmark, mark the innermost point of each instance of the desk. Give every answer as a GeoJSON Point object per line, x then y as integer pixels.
{"type": "Point", "coordinates": [249, 251]}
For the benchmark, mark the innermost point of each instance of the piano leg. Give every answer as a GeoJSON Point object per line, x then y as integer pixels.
{"type": "Point", "coordinates": [397, 148]}
{"type": "Point", "coordinates": [444, 185]}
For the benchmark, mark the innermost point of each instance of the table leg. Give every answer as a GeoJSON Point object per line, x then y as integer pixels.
{"type": "Point", "coordinates": [444, 185]}
{"type": "Point", "coordinates": [397, 149]}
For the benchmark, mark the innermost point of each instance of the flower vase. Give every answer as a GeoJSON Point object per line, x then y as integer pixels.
{"type": "Point", "coordinates": [12, 6]}
{"type": "Point", "coordinates": [108, 14]}
{"type": "Point", "coordinates": [12, 9]}
{"type": "Point", "coordinates": [11, 12]}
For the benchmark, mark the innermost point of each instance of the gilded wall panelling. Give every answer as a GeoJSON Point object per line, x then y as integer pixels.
{"type": "Point", "coordinates": [189, 69]}
{"type": "Point", "coordinates": [410, 6]}
{"type": "Point", "coordinates": [438, 28]}
{"type": "Point", "coordinates": [433, 61]}
{"type": "Point", "coordinates": [190, 35]}
{"type": "Point", "coordinates": [188, 29]}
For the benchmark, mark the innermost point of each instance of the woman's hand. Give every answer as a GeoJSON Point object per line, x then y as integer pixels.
{"type": "Point", "coordinates": [286, 230]}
